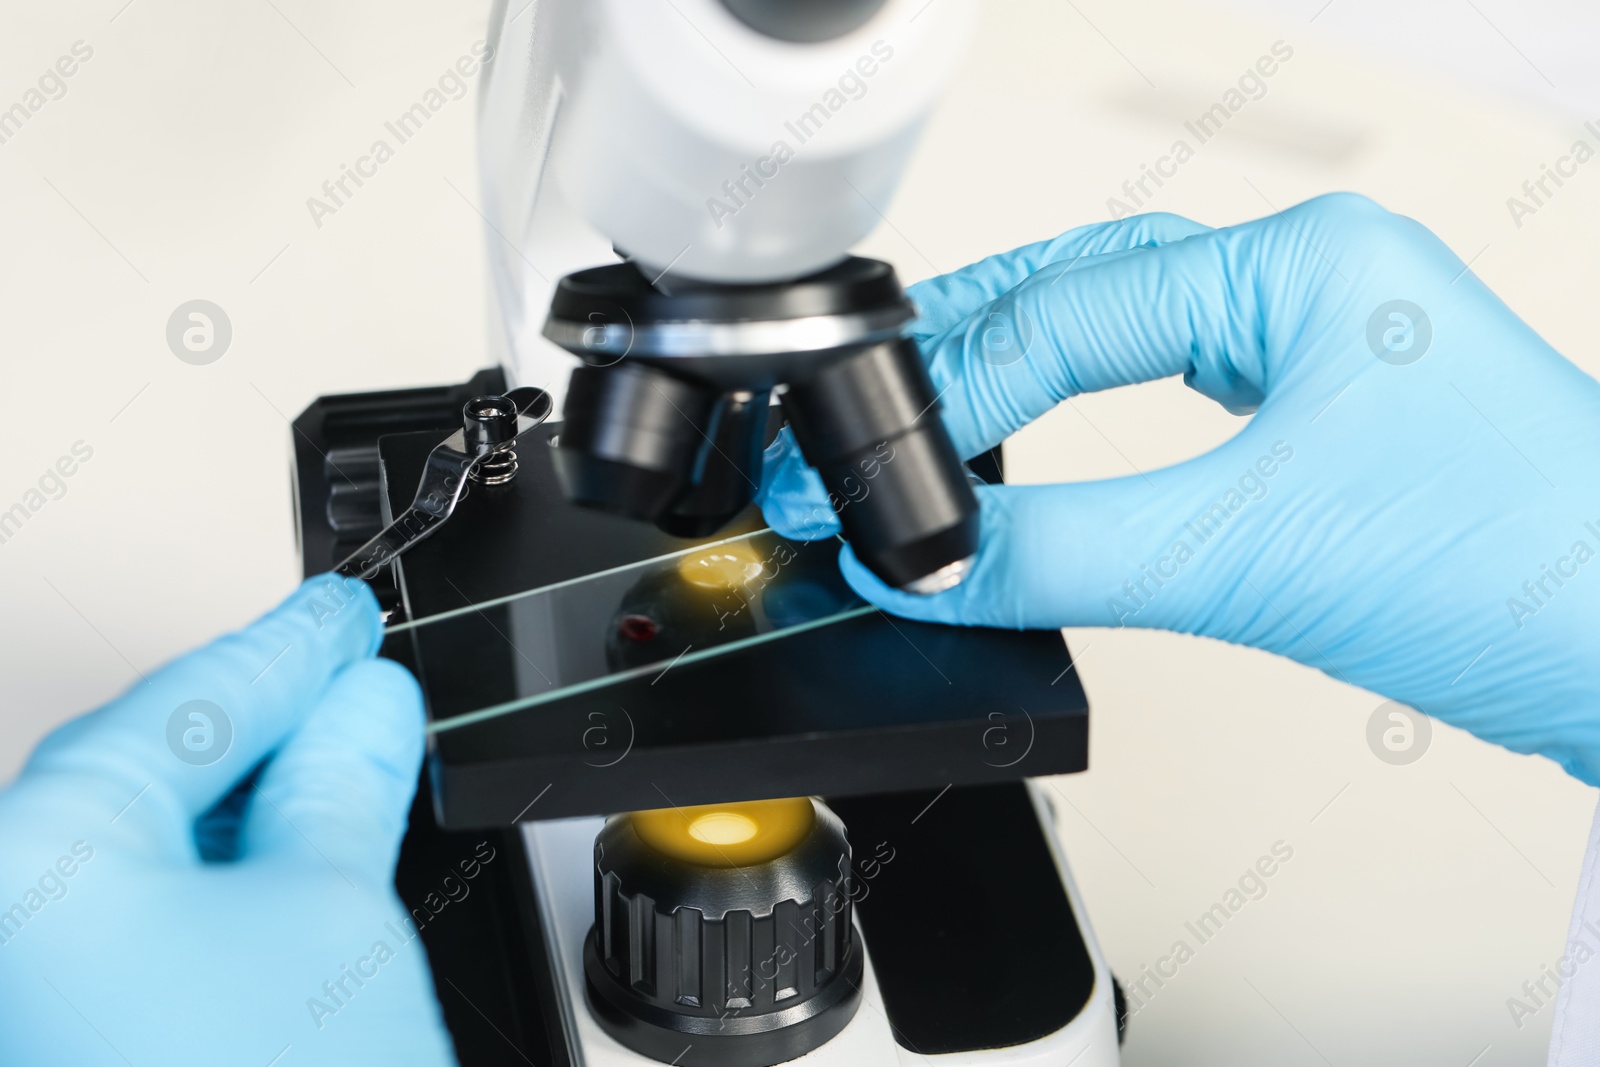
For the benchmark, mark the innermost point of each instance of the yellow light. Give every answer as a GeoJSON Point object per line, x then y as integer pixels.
{"type": "Point", "coordinates": [723, 828]}
{"type": "Point", "coordinates": [721, 568]}
{"type": "Point", "coordinates": [727, 835]}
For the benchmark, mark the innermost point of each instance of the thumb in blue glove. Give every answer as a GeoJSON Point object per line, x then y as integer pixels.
{"type": "Point", "coordinates": [1414, 506]}
{"type": "Point", "coordinates": [126, 942]}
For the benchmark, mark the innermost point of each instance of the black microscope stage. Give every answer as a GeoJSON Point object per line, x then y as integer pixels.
{"type": "Point", "coordinates": [863, 704]}
{"type": "Point", "coordinates": [910, 730]}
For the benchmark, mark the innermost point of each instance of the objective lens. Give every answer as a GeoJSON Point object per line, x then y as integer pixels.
{"type": "Point", "coordinates": [630, 438]}
{"type": "Point", "coordinates": [650, 445]}
{"type": "Point", "coordinates": [869, 423]}
{"type": "Point", "coordinates": [727, 467]}
{"type": "Point", "coordinates": [674, 433]}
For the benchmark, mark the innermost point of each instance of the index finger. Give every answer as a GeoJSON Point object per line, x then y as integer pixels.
{"type": "Point", "coordinates": [945, 300]}
{"type": "Point", "coordinates": [1227, 309]}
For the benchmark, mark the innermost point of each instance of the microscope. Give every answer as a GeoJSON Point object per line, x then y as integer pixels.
{"type": "Point", "coordinates": [688, 799]}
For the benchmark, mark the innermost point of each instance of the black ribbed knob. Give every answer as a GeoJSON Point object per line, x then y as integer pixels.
{"type": "Point", "coordinates": [723, 935]}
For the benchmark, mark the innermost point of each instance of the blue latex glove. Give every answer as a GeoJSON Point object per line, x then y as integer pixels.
{"type": "Point", "coordinates": [1414, 507]}
{"type": "Point", "coordinates": [123, 945]}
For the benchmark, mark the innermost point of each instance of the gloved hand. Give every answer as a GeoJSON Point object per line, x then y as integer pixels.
{"type": "Point", "coordinates": [1414, 507]}
{"type": "Point", "coordinates": [120, 944]}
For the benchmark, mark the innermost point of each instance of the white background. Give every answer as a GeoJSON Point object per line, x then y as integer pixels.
{"type": "Point", "coordinates": [178, 164]}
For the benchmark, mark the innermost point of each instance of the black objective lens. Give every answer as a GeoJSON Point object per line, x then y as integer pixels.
{"type": "Point", "coordinates": [643, 443]}
{"type": "Point", "coordinates": [869, 423]}
{"type": "Point", "coordinates": [630, 437]}
{"type": "Point", "coordinates": [727, 468]}
{"type": "Point", "coordinates": [671, 430]}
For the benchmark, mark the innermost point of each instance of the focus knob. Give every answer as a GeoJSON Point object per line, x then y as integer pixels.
{"type": "Point", "coordinates": [723, 935]}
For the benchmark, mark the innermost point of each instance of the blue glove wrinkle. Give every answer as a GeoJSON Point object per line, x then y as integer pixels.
{"type": "Point", "coordinates": [945, 300]}
{"type": "Point", "coordinates": [343, 784]}
{"type": "Point", "coordinates": [792, 497]}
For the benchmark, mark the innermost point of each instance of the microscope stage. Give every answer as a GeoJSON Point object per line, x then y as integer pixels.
{"type": "Point", "coordinates": [534, 696]}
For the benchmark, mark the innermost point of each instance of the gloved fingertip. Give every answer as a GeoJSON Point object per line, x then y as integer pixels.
{"type": "Point", "coordinates": [800, 521]}
{"type": "Point", "coordinates": [874, 590]}
{"type": "Point", "coordinates": [350, 602]}
{"type": "Point", "coordinates": [793, 499]}
{"type": "Point", "coordinates": [780, 449]}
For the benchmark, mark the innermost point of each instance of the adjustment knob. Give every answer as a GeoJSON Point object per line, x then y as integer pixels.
{"type": "Point", "coordinates": [723, 934]}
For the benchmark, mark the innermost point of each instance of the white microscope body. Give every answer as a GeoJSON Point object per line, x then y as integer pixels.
{"type": "Point", "coordinates": [683, 138]}
{"type": "Point", "coordinates": [677, 134]}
